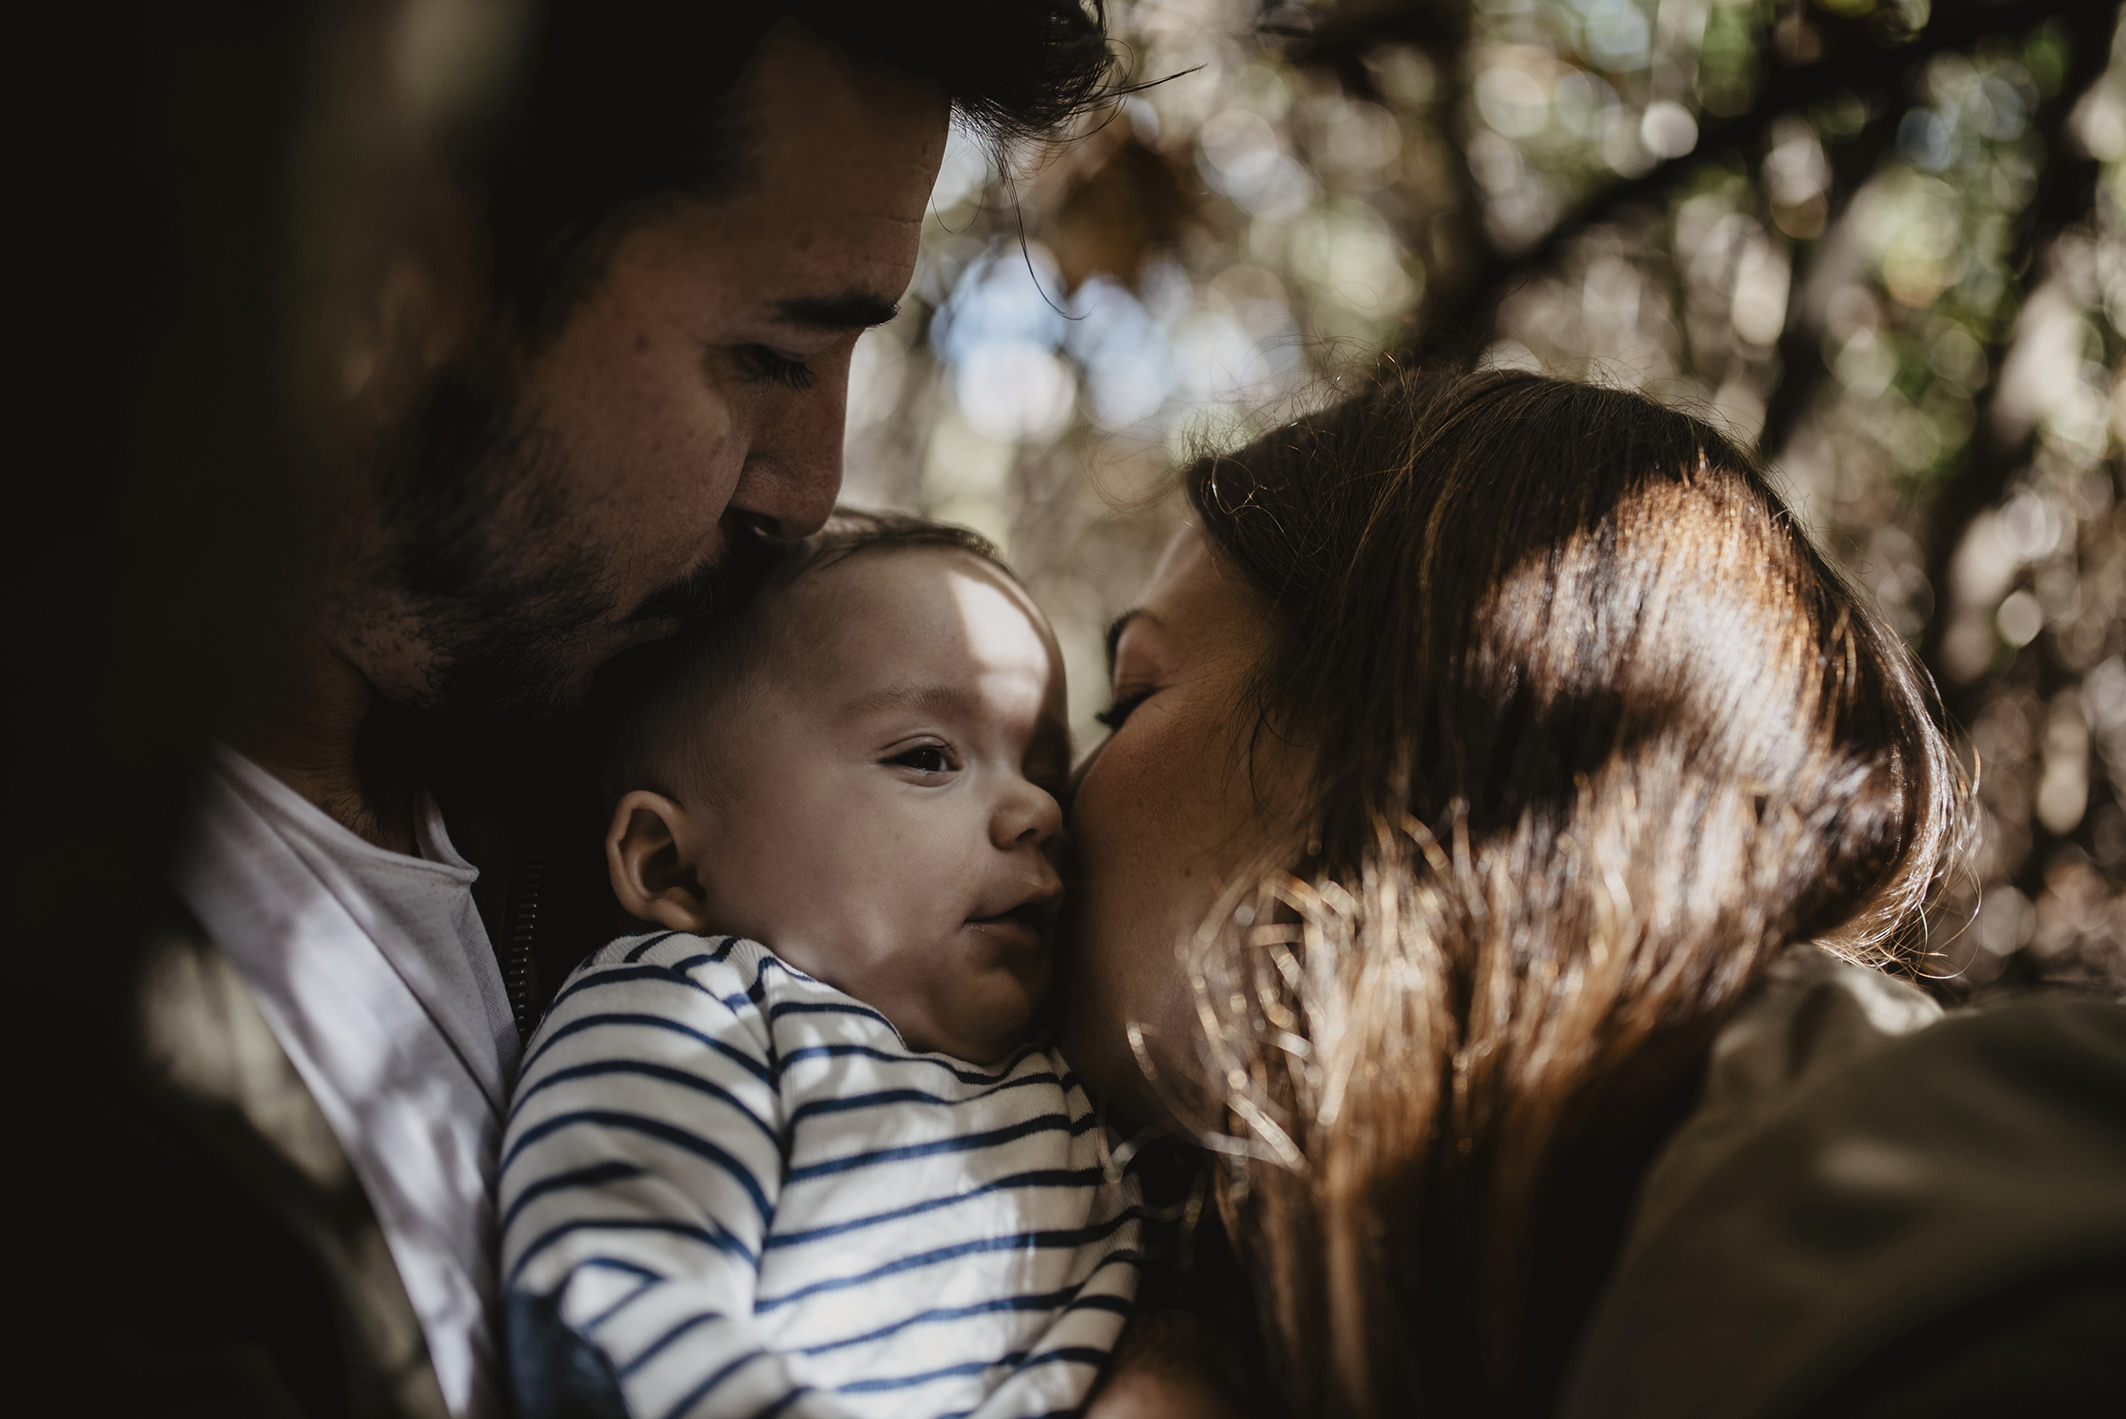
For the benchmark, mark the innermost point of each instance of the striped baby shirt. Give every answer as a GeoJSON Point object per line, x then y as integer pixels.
{"type": "Point", "coordinates": [740, 1193]}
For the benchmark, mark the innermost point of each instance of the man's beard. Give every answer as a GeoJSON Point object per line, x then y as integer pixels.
{"type": "Point", "coordinates": [511, 615]}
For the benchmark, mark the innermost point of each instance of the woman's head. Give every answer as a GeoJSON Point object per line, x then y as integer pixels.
{"type": "Point", "coordinates": [1514, 724]}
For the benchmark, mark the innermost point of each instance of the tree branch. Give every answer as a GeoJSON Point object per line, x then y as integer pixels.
{"type": "Point", "coordinates": [1801, 366]}
{"type": "Point", "coordinates": [2066, 190]}
{"type": "Point", "coordinates": [1470, 320]}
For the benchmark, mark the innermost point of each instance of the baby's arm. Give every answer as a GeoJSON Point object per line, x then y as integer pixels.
{"type": "Point", "coordinates": [639, 1172]}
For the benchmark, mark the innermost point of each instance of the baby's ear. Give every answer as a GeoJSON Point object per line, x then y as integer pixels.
{"type": "Point", "coordinates": [648, 855]}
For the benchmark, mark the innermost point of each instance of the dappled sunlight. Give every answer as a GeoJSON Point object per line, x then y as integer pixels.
{"type": "Point", "coordinates": [1878, 239]}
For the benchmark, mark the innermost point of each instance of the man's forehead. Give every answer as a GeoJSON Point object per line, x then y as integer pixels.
{"type": "Point", "coordinates": [816, 265]}
{"type": "Point", "coordinates": [822, 230]}
{"type": "Point", "coordinates": [825, 130]}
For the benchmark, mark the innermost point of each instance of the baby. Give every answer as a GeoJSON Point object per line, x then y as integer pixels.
{"type": "Point", "coordinates": [792, 1151]}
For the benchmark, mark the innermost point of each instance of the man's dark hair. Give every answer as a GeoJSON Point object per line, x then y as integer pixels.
{"type": "Point", "coordinates": [613, 110]}
{"type": "Point", "coordinates": [620, 103]}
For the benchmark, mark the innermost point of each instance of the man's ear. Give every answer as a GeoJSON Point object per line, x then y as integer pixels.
{"type": "Point", "coordinates": [648, 856]}
{"type": "Point", "coordinates": [416, 308]}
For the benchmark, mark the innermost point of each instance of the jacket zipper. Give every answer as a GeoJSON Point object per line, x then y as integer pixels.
{"type": "Point", "coordinates": [520, 970]}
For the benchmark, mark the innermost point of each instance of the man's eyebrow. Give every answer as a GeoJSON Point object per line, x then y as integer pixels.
{"type": "Point", "coordinates": [1115, 628]}
{"type": "Point", "coordinates": [926, 699]}
{"type": "Point", "coordinates": [851, 310]}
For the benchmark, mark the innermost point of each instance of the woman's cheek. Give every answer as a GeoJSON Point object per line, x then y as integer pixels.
{"type": "Point", "coordinates": [1134, 836]}
{"type": "Point", "coordinates": [1096, 970]}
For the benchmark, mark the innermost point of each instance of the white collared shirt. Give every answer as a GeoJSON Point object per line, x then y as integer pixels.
{"type": "Point", "coordinates": [375, 973]}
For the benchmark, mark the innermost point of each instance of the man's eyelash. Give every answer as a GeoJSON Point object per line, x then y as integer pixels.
{"type": "Point", "coordinates": [763, 366]}
{"type": "Point", "coordinates": [1121, 709]}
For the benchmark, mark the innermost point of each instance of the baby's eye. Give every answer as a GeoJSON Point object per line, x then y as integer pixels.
{"type": "Point", "coordinates": [925, 759]}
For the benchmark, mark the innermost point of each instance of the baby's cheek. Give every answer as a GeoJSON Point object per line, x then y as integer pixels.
{"type": "Point", "coordinates": [992, 1011]}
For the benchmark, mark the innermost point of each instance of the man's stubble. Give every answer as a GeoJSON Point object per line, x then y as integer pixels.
{"type": "Point", "coordinates": [482, 555]}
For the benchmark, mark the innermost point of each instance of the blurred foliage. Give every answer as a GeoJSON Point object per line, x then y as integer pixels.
{"type": "Point", "coordinates": [1882, 240]}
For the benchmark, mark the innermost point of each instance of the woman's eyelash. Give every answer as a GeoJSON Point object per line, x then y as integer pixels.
{"type": "Point", "coordinates": [1121, 709]}
{"type": "Point", "coordinates": [764, 366]}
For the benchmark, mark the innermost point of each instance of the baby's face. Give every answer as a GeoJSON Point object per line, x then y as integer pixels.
{"type": "Point", "coordinates": [886, 809]}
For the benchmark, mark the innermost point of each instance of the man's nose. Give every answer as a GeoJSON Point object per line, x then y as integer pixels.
{"type": "Point", "coordinates": [793, 470]}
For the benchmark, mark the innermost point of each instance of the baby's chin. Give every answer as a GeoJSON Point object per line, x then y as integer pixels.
{"type": "Point", "coordinates": [986, 1013]}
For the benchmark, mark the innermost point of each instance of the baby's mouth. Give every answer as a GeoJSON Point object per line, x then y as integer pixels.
{"type": "Point", "coordinates": [1024, 926]}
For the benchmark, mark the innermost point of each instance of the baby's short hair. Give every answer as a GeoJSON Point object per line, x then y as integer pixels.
{"type": "Point", "coordinates": [654, 738]}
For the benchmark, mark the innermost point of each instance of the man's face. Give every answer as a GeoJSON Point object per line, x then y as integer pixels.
{"type": "Point", "coordinates": [694, 393]}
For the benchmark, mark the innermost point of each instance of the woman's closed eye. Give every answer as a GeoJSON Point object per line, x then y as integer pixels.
{"type": "Point", "coordinates": [1125, 704]}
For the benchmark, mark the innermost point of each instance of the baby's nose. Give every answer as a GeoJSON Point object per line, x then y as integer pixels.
{"type": "Point", "coordinates": [1029, 813]}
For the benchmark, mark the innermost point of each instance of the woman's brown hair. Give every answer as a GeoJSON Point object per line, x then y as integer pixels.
{"type": "Point", "coordinates": [1596, 732]}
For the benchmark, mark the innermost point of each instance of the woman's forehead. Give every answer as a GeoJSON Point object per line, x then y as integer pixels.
{"type": "Point", "coordinates": [1192, 596]}
{"type": "Point", "coordinates": [1187, 557]}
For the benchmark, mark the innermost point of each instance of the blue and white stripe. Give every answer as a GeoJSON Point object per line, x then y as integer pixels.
{"type": "Point", "coordinates": [751, 1197]}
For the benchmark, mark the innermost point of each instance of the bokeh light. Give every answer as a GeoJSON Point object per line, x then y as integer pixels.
{"type": "Point", "coordinates": [1881, 240]}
